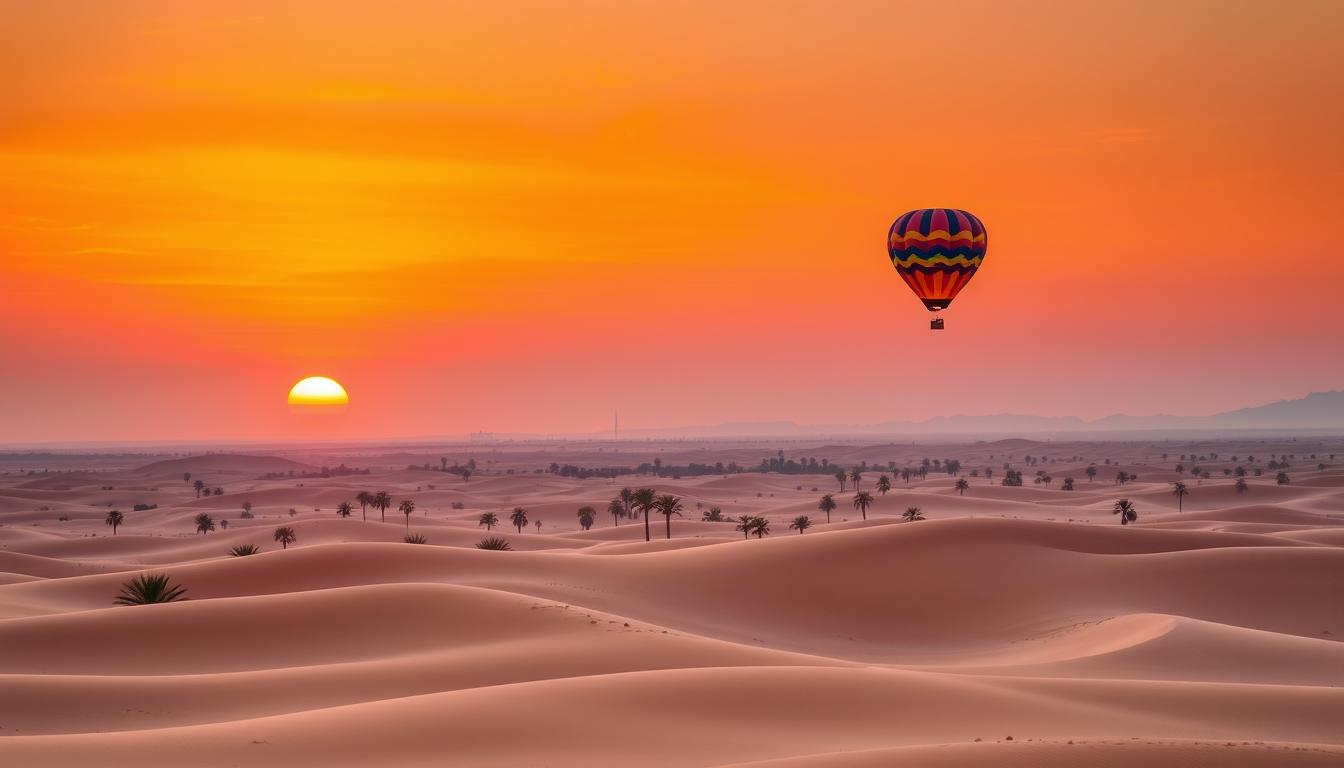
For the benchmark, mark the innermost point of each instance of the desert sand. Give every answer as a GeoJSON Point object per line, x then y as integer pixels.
{"type": "Point", "coordinates": [1014, 626]}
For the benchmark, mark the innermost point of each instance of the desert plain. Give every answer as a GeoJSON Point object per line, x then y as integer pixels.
{"type": "Point", "coordinates": [1011, 626]}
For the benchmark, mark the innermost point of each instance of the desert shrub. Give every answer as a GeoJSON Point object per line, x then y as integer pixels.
{"type": "Point", "coordinates": [415, 538]}
{"type": "Point", "coordinates": [149, 588]}
{"type": "Point", "coordinates": [243, 550]}
{"type": "Point", "coordinates": [63, 519]}
{"type": "Point", "coordinates": [494, 542]}
{"type": "Point", "coordinates": [144, 507]}
{"type": "Point", "coordinates": [457, 505]}
{"type": "Point", "coordinates": [247, 514]}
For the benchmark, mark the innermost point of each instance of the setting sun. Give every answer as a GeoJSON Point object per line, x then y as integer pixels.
{"type": "Point", "coordinates": [318, 390]}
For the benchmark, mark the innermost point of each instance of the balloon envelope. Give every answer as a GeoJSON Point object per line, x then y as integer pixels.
{"type": "Point", "coordinates": [937, 251]}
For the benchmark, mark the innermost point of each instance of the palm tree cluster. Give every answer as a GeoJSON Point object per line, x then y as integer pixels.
{"type": "Point", "coordinates": [204, 523]}
{"type": "Point", "coordinates": [586, 517]}
{"type": "Point", "coordinates": [714, 515]}
{"type": "Point", "coordinates": [753, 525]}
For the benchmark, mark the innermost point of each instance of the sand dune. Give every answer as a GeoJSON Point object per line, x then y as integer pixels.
{"type": "Point", "coordinates": [1204, 636]}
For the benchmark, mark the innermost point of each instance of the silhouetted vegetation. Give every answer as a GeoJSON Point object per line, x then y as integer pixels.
{"type": "Point", "coordinates": [714, 515]}
{"type": "Point", "coordinates": [415, 538]}
{"type": "Point", "coordinates": [800, 523]}
{"type": "Point", "coordinates": [827, 505]}
{"type": "Point", "coordinates": [286, 536]}
{"type": "Point", "coordinates": [489, 520]}
{"type": "Point", "coordinates": [149, 588]}
{"type": "Point", "coordinates": [667, 506]}
{"type": "Point", "coordinates": [243, 550]}
{"type": "Point", "coordinates": [114, 519]}
{"type": "Point", "coordinates": [586, 517]}
{"type": "Point", "coordinates": [494, 542]}
{"type": "Point", "coordinates": [1180, 491]}
{"type": "Point", "coordinates": [912, 514]}
{"type": "Point", "coordinates": [519, 518]}
{"type": "Point", "coordinates": [863, 500]}
{"type": "Point", "coordinates": [204, 523]}
{"type": "Point", "coordinates": [1125, 509]}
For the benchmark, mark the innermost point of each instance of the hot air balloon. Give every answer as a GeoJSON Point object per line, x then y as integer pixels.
{"type": "Point", "coordinates": [936, 251]}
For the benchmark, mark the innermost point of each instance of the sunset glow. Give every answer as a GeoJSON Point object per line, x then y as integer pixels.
{"type": "Point", "coordinates": [526, 202]}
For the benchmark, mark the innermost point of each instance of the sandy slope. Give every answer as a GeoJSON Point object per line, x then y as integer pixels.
{"type": "Point", "coordinates": [1209, 636]}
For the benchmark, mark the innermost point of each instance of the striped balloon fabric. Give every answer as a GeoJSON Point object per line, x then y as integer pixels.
{"type": "Point", "coordinates": [937, 251]}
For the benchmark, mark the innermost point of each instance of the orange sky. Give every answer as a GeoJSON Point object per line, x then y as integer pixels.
{"type": "Point", "coordinates": [521, 216]}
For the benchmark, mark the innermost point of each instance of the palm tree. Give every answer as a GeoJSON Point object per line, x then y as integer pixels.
{"type": "Point", "coordinates": [1178, 488]}
{"type": "Point", "coordinates": [1125, 509]}
{"type": "Point", "coordinates": [714, 515]}
{"type": "Point", "coordinates": [198, 485]}
{"type": "Point", "coordinates": [617, 510]}
{"type": "Point", "coordinates": [1091, 472]}
{"type": "Point", "coordinates": [489, 520]}
{"type": "Point", "coordinates": [863, 500]}
{"type": "Point", "coordinates": [911, 514]}
{"type": "Point", "coordinates": [494, 542]}
{"type": "Point", "coordinates": [1281, 478]}
{"type": "Point", "coordinates": [243, 550]}
{"type": "Point", "coordinates": [204, 523]}
{"type": "Point", "coordinates": [1240, 485]}
{"type": "Point", "coordinates": [149, 588]}
{"type": "Point", "coordinates": [855, 476]}
{"type": "Point", "coordinates": [905, 474]}
{"type": "Point", "coordinates": [345, 509]}
{"type": "Point", "coordinates": [186, 477]}
{"type": "Point", "coordinates": [961, 485]}
{"type": "Point", "coordinates": [519, 518]}
{"type": "Point", "coordinates": [285, 535]}
{"type": "Point", "coordinates": [800, 523]}
{"type": "Point", "coordinates": [381, 501]}
{"type": "Point", "coordinates": [842, 476]}
{"type": "Point", "coordinates": [645, 500]}
{"type": "Point", "coordinates": [114, 518]}
{"type": "Point", "coordinates": [745, 523]}
{"type": "Point", "coordinates": [586, 515]}
{"type": "Point", "coordinates": [760, 526]}
{"type": "Point", "coordinates": [627, 498]}
{"type": "Point", "coordinates": [538, 524]}
{"type": "Point", "coordinates": [827, 505]}
{"type": "Point", "coordinates": [667, 506]}
{"type": "Point", "coordinates": [883, 484]}
{"type": "Point", "coordinates": [1068, 484]}
{"type": "Point", "coordinates": [407, 506]}
{"type": "Point", "coordinates": [365, 499]}
{"type": "Point", "coordinates": [247, 508]}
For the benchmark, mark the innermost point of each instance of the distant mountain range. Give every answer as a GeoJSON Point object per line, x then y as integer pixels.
{"type": "Point", "coordinates": [1317, 411]}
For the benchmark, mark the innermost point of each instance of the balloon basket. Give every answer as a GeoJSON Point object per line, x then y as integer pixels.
{"type": "Point", "coordinates": [936, 324]}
